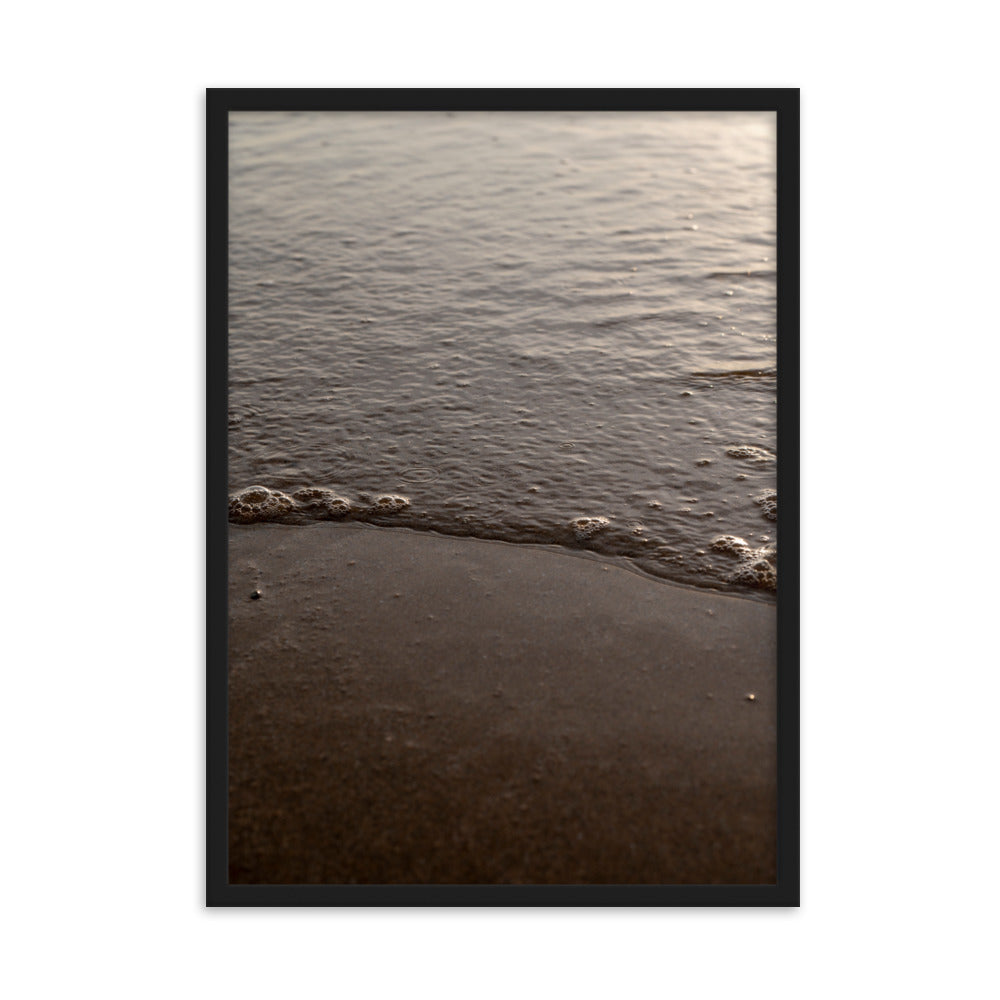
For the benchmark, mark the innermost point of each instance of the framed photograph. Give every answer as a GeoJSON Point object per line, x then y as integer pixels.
{"type": "Point", "coordinates": [502, 390]}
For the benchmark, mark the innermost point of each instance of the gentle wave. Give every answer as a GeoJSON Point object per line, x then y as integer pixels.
{"type": "Point", "coordinates": [593, 532]}
{"type": "Point", "coordinates": [533, 327]}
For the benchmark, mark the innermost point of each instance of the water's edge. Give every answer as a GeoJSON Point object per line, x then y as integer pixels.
{"type": "Point", "coordinates": [317, 506]}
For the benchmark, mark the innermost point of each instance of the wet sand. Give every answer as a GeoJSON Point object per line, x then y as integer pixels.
{"type": "Point", "coordinates": [410, 708]}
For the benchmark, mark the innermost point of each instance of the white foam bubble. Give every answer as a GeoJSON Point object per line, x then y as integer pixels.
{"type": "Point", "coordinates": [755, 567]}
{"type": "Point", "coordinates": [751, 453]}
{"type": "Point", "coordinates": [389, 503]}
{"type": "Point", "coordinates": [768, 501]}
{"type": "Point", "coordinates": [755, 573]}
{"type": "Point", "coordinates": [729, 543]}
{"type": "Point", "coordinates": [587, 527]}
{"type": "Point", "coordinates": [322, 502]}
{"type": "Point", "coordinates": [258, 503]}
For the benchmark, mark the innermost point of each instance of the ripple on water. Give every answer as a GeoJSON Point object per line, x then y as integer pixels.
{"type": "Point", "coordinates": [513, 387]}
{"type": "Point", "coordinates": [418, 475]}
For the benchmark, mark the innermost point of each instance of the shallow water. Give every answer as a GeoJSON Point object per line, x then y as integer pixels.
{"type": "Point", "coordinates": [513, 322]}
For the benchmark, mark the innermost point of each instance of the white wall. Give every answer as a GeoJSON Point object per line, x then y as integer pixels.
{"type": "Point", "coordinates": [102, 583]}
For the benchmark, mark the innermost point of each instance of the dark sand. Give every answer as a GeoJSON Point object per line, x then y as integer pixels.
{"type": "Point", "coordinates": [410, 708]}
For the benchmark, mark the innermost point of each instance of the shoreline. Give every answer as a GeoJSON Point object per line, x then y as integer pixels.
{"type": "Point", "coordinates": [407, 707]}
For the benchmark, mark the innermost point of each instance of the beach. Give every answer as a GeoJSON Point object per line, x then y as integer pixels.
{"type": "Point", "coordinates": [406, 707]}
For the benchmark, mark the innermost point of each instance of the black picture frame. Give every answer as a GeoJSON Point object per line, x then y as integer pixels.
{"type": "Point", "coordinates": [219, 103]}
